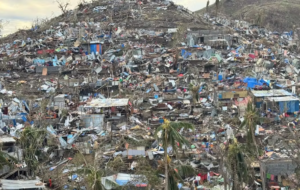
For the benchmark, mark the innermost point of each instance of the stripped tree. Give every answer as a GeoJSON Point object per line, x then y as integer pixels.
{"type": "Point", "coordinates": [63, 6]}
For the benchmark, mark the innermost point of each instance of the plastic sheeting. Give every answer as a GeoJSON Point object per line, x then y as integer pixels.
{"type": "Point", "coordinates": [21, 184]}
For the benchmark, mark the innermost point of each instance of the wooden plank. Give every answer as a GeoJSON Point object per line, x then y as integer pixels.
{"type": "Point", "coordinates": [44, 73]}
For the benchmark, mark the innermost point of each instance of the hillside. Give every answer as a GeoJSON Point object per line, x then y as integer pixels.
{"type": "Point", "coordinates": [146, 16]}
{"type": "Point", "coordinates": [274, 14]}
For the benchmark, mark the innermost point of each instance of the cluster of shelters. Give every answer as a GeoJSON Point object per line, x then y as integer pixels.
{"type": "Point", "coordinates": [96, 84]}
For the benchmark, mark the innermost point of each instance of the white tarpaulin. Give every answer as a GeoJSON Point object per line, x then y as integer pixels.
{"type": "Point", "coordinates": [21, 184]}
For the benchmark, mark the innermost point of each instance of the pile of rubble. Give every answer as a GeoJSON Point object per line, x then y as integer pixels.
{"type": "Point", "coordinates": [88, 94]}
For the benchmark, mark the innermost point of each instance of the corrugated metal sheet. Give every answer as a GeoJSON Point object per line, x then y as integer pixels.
{"type": "Point", "coordinates": [230, 94]}
{"type": "Point", "coordinates": [96, 119]}
{"type": "Point", "coordinates": [93, 48]}
{"type": "Point", "coordinates": [134, 153]}
{"type": "Point", "coordinates": [283, 99]}
{"type": "Point", "coordinates": [258, 104]}
{"type": "Point", "coordinates": [269, 93]}
{"type": "Point", "coordinates": [96, 48]}
{"type": "Point", "coordinates": [288, 106]}
{"type": "Point", "coordinates": [281, 107]}
{"type": "Point", "coordinates": [50, 69]}
{"type": "Point", "coordinates": [296, 105]}
{"type": "Point", "coordinates": [103, 103]}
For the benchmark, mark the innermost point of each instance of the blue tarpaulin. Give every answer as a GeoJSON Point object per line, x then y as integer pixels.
{"type": "Point", "coordinates": [38, 61]}
{"type": "Point", "coordinates": [185, 54]}
{"type": "Point", "coordinates": [252, 82]}
{"type": "Point", "coordinates": [286, 60]}
{"type": "Point", "coordinates": [200, 89]}
{"type": "Point", "coordinates": [161, 120]}
{"type": "Point", "coordinates": [24, 118]}
{"type": "Point", "coordinates": [93, 48]}
{"type": "Point", "coordinates": [55, 61]}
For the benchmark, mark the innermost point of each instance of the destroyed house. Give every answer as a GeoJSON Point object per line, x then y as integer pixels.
{"type": "Point", "coordinates": [275, 173]}
{"type": "Point", "coordinates": [122, 179]}
{"type": "Point", "coordinates": [114, 109]}
{"type": "Point", "coordinates": [228, 97]}
{"type": "Point", "coordinates": [7, 144]}
{"type": "Point", "coordinates": [96, 48]}
{"type": "Point", "coordinates": [206, 36]}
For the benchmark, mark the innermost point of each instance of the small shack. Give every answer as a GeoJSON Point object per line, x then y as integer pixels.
{"type": "Point", "coordinates": [114, 109]}
{"type": "Point", "coordinates": [7, 144]}
{"type": "Point", "coordinates": [259, 96]}
{"type": "Point", "coordinates": [96, 48]}
{"type": "Point", "coordinates": [286, 104]}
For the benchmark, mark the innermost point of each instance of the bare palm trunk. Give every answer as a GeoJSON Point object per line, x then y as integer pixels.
{"type": "Point", "coordinates": [166, 169]}
{"type": "Point", "coordinates": [224, 174]}
{"type": "Point", "coordinates": [254, 140]}
{"type": "Point", "coordinates": [235, 180]}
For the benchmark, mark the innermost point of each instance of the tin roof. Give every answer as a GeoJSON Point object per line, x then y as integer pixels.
{"type": "Point", "coordinates": [21, 184]}
{"type": "Point", "coordinates": [103, 103]}
{"type": "Point", "coordinates": [283, 99]}
{"type": "Point", "coordinates": [7, 139]}
{"type": "Point", "coordinates": [270, 93]}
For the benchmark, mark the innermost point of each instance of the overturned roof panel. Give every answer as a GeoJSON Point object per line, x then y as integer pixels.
{"type": "Point", "coordinates": [103, 103]}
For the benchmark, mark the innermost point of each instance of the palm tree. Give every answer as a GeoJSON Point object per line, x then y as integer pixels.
{"type": "Point", "coordinates": [169, 135]}
{"type": "Point", "coordinates": [176, 173]}
{"type": "Point", "coordinates": [31, 140]}
{"type": "Point", "coordinates": [237, 164]}
{"type": "Point", "coordinates": [207, 4]}
{"type": "Point", "coordinates": [251, 119]}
